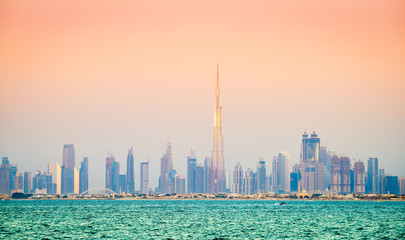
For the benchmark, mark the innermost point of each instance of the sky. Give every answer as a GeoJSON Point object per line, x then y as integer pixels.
{"type": "Point", "coordinates": [108, 75]}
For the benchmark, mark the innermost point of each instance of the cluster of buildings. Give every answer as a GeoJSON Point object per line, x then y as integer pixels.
{"type": "Point", "coordinates": [125, 183]}
{"type": "Point", "coordinates": [58, 179]}
{"type": "Point", "coordinates": [319, 171]}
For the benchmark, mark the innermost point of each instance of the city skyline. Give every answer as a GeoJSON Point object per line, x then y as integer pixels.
{"type": "Point", "coordinates": [106, 79]}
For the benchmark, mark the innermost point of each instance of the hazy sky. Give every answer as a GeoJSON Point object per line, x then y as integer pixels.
{"type": "Point", "coordinates": [108, 75]}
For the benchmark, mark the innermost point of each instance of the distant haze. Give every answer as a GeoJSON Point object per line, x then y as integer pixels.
{"type": "Point", "coordinates": [108, 75]}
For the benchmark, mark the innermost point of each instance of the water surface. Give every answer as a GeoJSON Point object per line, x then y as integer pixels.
{"type": "Point", "coordinates": [201, 219]}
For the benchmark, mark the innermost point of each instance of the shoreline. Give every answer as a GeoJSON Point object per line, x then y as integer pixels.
{"type": "Point", "coordinates": [206, 199]}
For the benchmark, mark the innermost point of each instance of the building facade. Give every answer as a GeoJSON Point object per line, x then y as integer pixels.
{"type": "Point", "coordinates": [166, 184]}
{"type": "Point", "coordinates": [372, 175]}
{"type": "Point", "coordinates": [144, 181]}
{"type": "Point", "coordinates": [130, 178]}
{"type": "Point", "coordinates": [84, 175]}
{"type": "Point", "coordinates": [238, 179]}
{"type": "Point", "coordinates": [261, 176]}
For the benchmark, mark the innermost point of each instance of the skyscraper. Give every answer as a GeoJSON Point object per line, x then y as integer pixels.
{"type": "Point", "coordinates": [84, 175]}
{"type": "Point", "coordinates": [52, 173]}
{"type": "Point", "coordinates": [18, 182]}
{"type": "Point", "coordinates": [68, 156]}
{"type": "Point", "coordinates": [122, 184]}
{"type": "Point", "coordinates": [340, 175]}
{"type": "Point", "coordinates": [144, 177]}
{"type": "Point", "coordinates": [372, 175]}
{"type": "Point", "coordinates": [112, 171]}
{"type": "Point", "coordinates": [312, 170]}
{"type": "Point", "coordinates": [179, 184]}
{"type": "Point", "coordinates": [5, 176]}
{"type": "Point", "coordinates": [345, 175]}
{"type": "Point", "coordinates": [191, 169]}
{"type": "Point", "coordinates": [166, 167]}
{"type": "Point", "coordinates": [284, 172]}
{"type": "Point", "coordinates": [13, 172]}
{"type": "Point", "coordinates": [42, 182]}
{"type": "Point", "coordinates": [381, 176]}
{"type": "Point", "coordinates": [130, 172]}
{"type": "Point", "coordinates": [261, 176]}
{"type": "Point", "coordinates": [68, 162]}
{"type": "Point", "coordinates": [209, 172]}
{"type": "Point", "coordinates": [58, 179]}
{"type": "Point", "coordinates": [293, 182]}
{"type": "Point", "coordinates": [217, 152]}
{"type": "Point", "coordinates": [238, 179]}
{"type": "Point", "coordinates": [76, 180]}
{"type": "Point", "coordinates": [275, 176]}
{"type": "Point", "coordinates": [27, 182]}
{"type": "Point", "coordinates": [249, 183]}
{"type": "Point", "coordinates": [199, 178]}
{"type": "Point", "coordinates": [359, 177]}
{"type": "Point", "coordinates": [391, 185]}
{"type": "Point", "coordinates": [402, 185]}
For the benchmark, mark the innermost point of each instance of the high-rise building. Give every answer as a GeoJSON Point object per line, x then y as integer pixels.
{"type": "Point", "coordinates": [58, 179]}
{"type": "Point", "coordinates": [324, 156]}
{"type": "Point", "coordinates": [13, 172]}
{"type": "Point", "coordinates": [228, 186]}
{"type": "Point", "coordinates": [179, 184]}
{"type": "Point", "coordinates": [310, 147]}
{"type": "Point", "coordinates": [217, 152]}
{"type": "Point", "coordinates": [69, 156]}
{"type": "Point", "coordinates": [391, 185]}
{"type": "Point", "coordinates": [297, 169]}
{"type": "Point", "coordinates": [42, 182]}
{"type": "Point", "coordinates": [340, 175]}
{"type": "Point", "coordinates": [359, 178]}
{"type": "Point", "coordinates": [284, 172]}
{"type": "Point", "coordinates": [112, 174]}
{"type": "Point", "coordinates": [238, 179]}
{"type": "Point", "coordinates": [312, 170]}
{"type": "Point", "coordinates": [166, 171]}
{"type": "Point", "coordinates": [68, 162]}
{"type": "Point", "coordinates": [261, 176]}
{"type": "Point", "coordinates": [209, 172]}
{"type": "Point", "coordinates": [5, 176]}
{"type": "Point", "coordinates": [27, 182]}
{"type": "Point", "coordinates": [345, 175]}
{"type": "Point", "coordinates": [293, 182]}
{"type": "Point", "coordinates": [275, 175]}
{"type": "Point", "coordinates": [76, 174]}
{"type": "Point", "coordinates": [18, 182]}
{"type": "Point", "coordinates": [191, 172]}
{"type": "Point", "coordinates": [144, 177]}
{"type": "Point", "coordinates": [372, 175]}
{"type": "Point", "coordinates": [123, 184]}
{"type": "Point", "coordinates": [249, 183]}
{"type": "Point", "coordinates": [52, 172]}
{"type": "Point", "coordinates": [381, 175]}
{"type": "Point", "coordinates": [199, 179]}
{"type": "Point", "coordinates": [402, 186]}
{"type": "Point", "coordinates": [130, 172]}
{"type": "Point", "coordinates": [84, 175]}
{"type": "Point", "coordinates": [335, 174]}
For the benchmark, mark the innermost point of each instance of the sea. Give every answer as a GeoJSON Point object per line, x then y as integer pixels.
{"type": "Point", "coordinates": [201, 219]}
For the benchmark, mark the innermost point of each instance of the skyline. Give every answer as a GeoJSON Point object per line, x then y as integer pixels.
{"type": "Point", "coordinates": [106, 79]}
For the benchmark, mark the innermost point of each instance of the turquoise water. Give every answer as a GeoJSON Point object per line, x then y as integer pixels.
{"type": "Point", "coordinates": [182, 219]}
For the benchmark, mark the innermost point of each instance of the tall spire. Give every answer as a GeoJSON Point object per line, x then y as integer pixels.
{"type": "Point", "coordinates": [217, 152]}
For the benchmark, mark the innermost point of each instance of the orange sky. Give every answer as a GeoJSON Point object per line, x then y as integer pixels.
{"type": "Point", "coordinates": [106, 75]}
